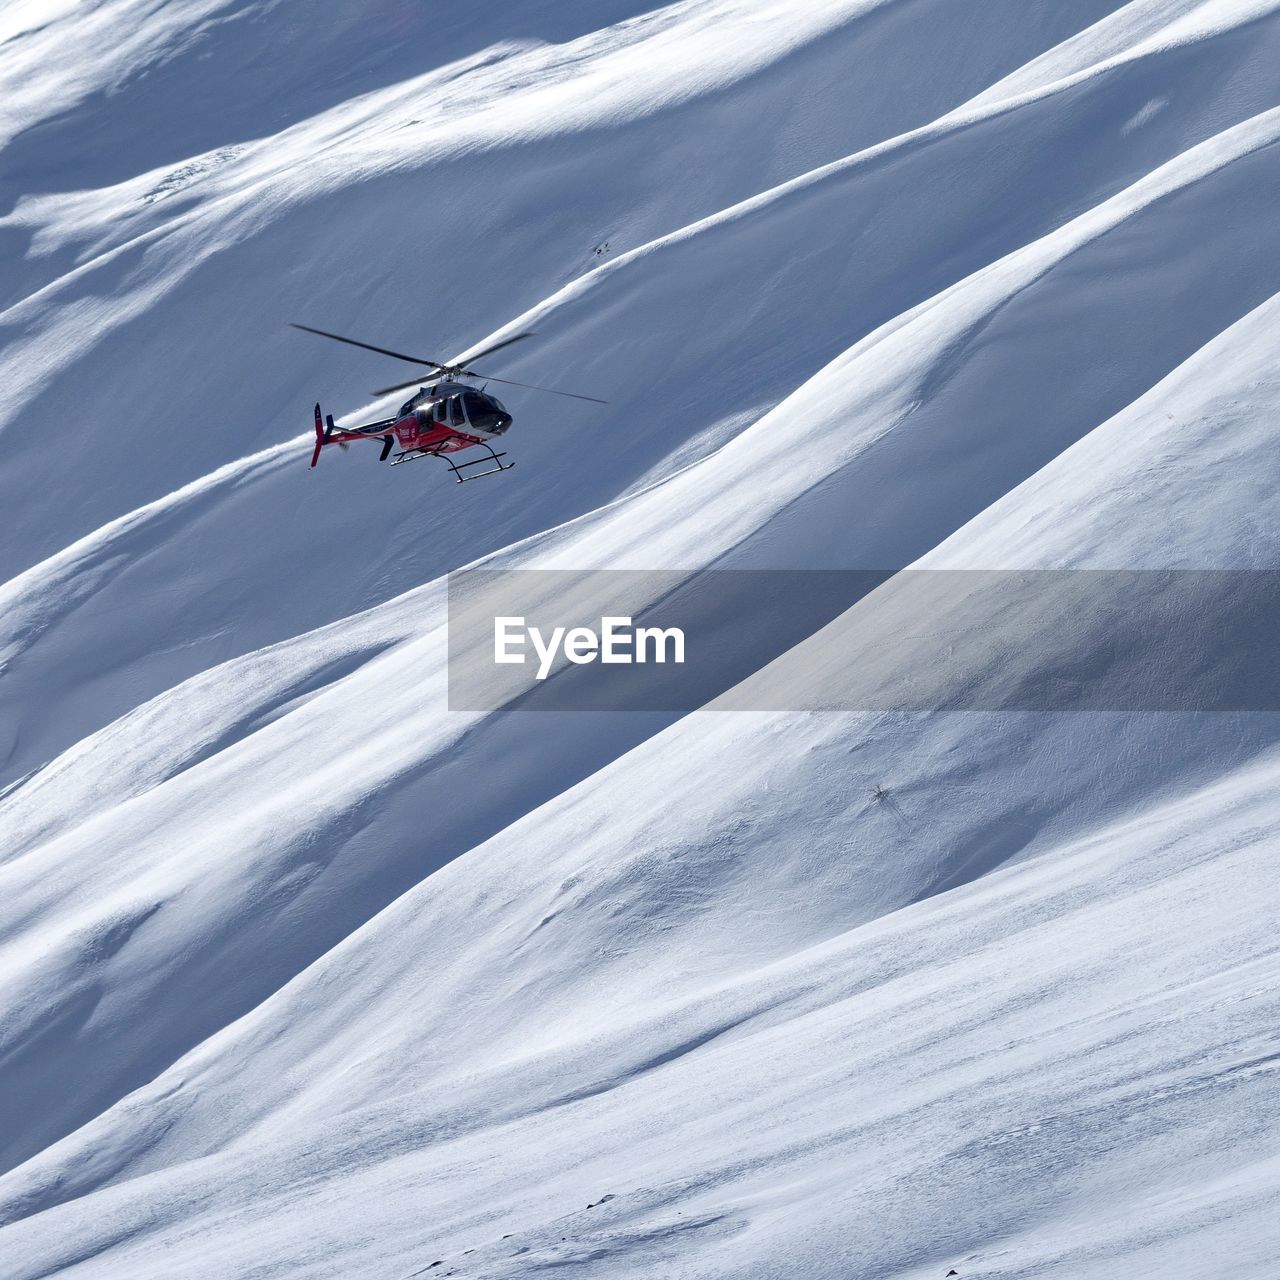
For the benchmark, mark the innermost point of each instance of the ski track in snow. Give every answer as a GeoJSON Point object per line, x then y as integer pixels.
{"type": "Point", "coordinates": [302, 974]}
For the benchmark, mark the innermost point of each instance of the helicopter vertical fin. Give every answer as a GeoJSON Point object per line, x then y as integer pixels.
{"type": "Point", "coordinates": [315, 457]}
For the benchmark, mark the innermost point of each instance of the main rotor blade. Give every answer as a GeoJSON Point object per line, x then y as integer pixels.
{"type": "Point", "coordinates": [382, 351]}
{"type": "Point", "coordinates": [400, 386]}
{"type": "Point", "coordinates": [467, 373]}
{"type": "Point", "coordinates": [529, 386]}
{"type": "Point", "coordinates": [444, 368]}
{"type": "Point", "coordinates": [497, 346]}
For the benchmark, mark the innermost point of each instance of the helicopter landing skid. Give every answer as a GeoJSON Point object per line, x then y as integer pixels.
{"type": "Point", "coordinates": [490, 460]}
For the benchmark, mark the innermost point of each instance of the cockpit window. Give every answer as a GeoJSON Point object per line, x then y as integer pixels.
{"type": "Point", "coordinates": [486, 414]}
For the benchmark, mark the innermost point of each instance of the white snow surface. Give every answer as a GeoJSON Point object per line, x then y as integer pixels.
{"type": "Point", "coordinates": [303, 974]}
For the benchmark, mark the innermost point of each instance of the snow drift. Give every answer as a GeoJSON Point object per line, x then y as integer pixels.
{"type": "Point", "coordinates": [304, 974]}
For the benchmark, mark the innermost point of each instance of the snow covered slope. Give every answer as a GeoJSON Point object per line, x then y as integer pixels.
{"type": "Point", "coordinates": [303, 974]}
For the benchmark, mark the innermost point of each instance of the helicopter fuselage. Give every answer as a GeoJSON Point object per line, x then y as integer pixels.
{"type": "Point", "coordinates": [444, 417]}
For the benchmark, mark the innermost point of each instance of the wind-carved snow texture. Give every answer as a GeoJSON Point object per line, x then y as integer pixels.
{"type": "Point", "coordinates": [302, 974]}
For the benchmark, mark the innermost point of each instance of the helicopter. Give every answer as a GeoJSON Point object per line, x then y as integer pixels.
{"type": "Point", "coordinates": [444, 417]}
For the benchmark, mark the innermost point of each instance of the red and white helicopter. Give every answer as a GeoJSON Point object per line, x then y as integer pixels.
{"type": "Point", "coordinates": [445, 417]}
